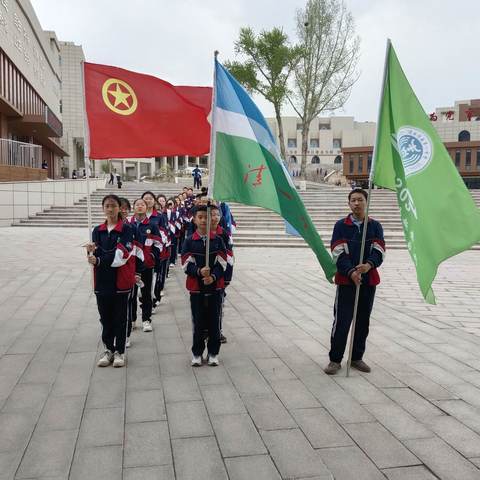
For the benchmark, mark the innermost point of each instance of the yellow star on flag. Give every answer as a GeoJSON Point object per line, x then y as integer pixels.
{"type": "Point", "coordinates": [120, 97]}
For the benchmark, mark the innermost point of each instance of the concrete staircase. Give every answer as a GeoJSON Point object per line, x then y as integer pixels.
{"type": "Point", "coordinates": [255, 226]}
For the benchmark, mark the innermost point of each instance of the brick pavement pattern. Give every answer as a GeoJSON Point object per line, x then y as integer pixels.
{"type": "Point", "coordinates": [268, 411]}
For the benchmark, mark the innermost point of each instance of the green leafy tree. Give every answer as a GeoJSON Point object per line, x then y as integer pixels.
{"type": "Point", "coordinates": [328, 69]}
{"type": "Point", "coordinates": [269, 60]}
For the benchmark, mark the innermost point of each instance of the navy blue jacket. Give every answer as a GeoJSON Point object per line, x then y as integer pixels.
{"type": "Point", "coordinates": [147, 236]}
{"type": "Point", "coordinates": [115, 268]}
{"type": "Point", "coordinates": [345, 245]}
{"type": "Point", "coordinates": [227, 240]}
{"type": "Point", "coordinates": [193, 259]}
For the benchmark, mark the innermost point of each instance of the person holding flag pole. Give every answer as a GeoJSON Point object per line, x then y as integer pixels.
{"type": "Point", "coordinates": [409, 158]}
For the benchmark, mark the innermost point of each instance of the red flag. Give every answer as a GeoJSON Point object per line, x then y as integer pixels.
{"type": "Point", "coordinates": [133, 115]}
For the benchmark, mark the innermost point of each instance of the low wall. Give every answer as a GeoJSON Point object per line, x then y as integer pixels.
{"type": "Point", "coordinates": [10, 173]}
{"type": "Point", "coordinates": [21, 199]}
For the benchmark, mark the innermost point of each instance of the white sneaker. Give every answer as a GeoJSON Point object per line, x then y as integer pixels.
{"type": "Point", "coordinates": [147, 326]}
{"type": "Point", "coordinates": [213, 360]}
{"type": "Point", "coordinates": [134, 325]}
{"type": "Point", "coordinates": [128, 343]}
{"type": "Point", "coordinates": [162, 294]}
{"type": "Point", "coordinates": [106, 360]}
{"type": "Point", "coordinates": [196, 361]}
{"type": "Point", "coordinates": [119, 360]}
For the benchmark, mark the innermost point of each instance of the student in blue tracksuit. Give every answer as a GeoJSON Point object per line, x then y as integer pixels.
{"type": "Point", "coordinates": [205, 284]}
{"type": "Point", "coordinates": [110, 253]}
{"type": "Point", "coordinates": [353, 271]}
{"type": "Point", "coordinates": [147, 235]}
{"type": "Point", "coordinates": [227, 240]}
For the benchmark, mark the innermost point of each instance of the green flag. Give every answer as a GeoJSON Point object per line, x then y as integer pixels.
{"type": "Point", "coordinates": [439, 216]}
{"type": "Point", "coordinates": [245, 165]}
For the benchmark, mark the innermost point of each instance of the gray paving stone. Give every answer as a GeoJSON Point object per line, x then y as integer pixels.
{"type": "Point", "coordinates": [320, 428]}
{"type": "Point", "coordinates": [402, 425]}
{"type": "Point", "coordinates": [294, 394]}
{"type": "Point", "coordinates": [212, 376]}
{"type": "Point", "coordinates": [249, 381]}
{"type": "Point", "coordinates": [9, 462]}
{"type": "Point", "coordinates": [409, 473]}
{"type": "Point", "coordinates": [339, 403]}
{"type": "Point", "coordinates": [460, 437]}
{"type": "Point", "coordinates": [380, 445]}
{"type": "Point", "coordinates": [349, 463]}
{"type": "Point", "coordinates": [222, 400]}
{"type": "Point", "coordinates": [106, 392]}
{"type": "Point", "coordinates": [27, 396]}
{"type": "Point", "coordinates": [259, 467]}
{"type": "Point", "coordinates": [443, 460]}
{"type": "Point", "coordinates": [143, 378]}
{"type": "Point", "coordinates": [268, 413]}
{"type": "Point", "coordinates": [198, 458]}
{"type": "Point", "coordinates": [147, 444]}
{"type": "Point", "coordinates": [361, 390]}
{"type": "Point", "coordinates": [164, 472]}
{"type": "Point", "coordinates": [181, 389]}
{"type": "Point", "coordinates": [62, 413]}
{"type": "Point", "coordinates": [48, 454]}
{"type": "Point", "coordinates": [74, 375]}
{"type": "Point", "coordinates": [237, 435]}
{"type": "Point", "coordinates": [101, 426]}
{"type": "Point", "coordinates": [175, 364]}
{"type": "Point", "coordinates": [145, 406]}
{"type": "Point", "coordinates": [16, 428]}
{"type": "Point", "coordinates": [428, 388]}
{"type": "Point", "coordinates": [274, 369]}
{"type": "Point", "coordinates": [292, 454]}
{"type": "Point", "coordinates": [188, 419]}
{"type": "Point", "coordinates": [97, 462]}
{"type": "Point", "coordinates": [413, 403]}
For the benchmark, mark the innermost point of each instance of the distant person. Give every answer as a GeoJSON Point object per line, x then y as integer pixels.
{"type": "Point", "coordinates": [84, 174]}
{"type": "Point", "coordinates": [44, 165]}
{"type": "Point", "coordinates": [74, 175]}
{"type": "Point", "coordinates": [119, 180]}
{"type": "Point", "coordinates": [111, 178]}
{"type": "Point", "coordinates": [353, 271]}
{"type": "Point", "coordinates": [197, 177]}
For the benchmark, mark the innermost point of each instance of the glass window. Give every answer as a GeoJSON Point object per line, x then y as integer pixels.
{"type": "Point", "coordinates": [478, 159]}
{"type": "Point", "coordinates": [351, 164]}
{"type": "Point", "coordinates": [337, 143]}
{"type": "Point", "coordinates": [468, 160]}
{"type": "Point", "coordinates": [457, 158]}
{"type": "Point", "coordinates": [292, 143]}
{"type": "Point", "coordinates": [369, 162]}
{"type": "Point", "coordinates": [360, 164]}
{"type": "Point", "coordinates": [314, 143]}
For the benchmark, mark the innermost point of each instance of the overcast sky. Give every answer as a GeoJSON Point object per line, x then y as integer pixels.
{"type": "Point", "coordinates": [435, 40]}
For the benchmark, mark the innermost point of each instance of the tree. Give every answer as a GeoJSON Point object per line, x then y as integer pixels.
{"type": "Point", "coordinates": [328, 69]}
{"type": "Point", "coordinates": [269, 62]}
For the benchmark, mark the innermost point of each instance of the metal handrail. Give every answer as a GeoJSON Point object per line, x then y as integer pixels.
{"type": "Point", "coordinates": [20, 154]}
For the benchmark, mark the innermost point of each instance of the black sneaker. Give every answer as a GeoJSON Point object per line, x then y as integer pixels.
{"type": "Point", "coordinates": [223, 338]}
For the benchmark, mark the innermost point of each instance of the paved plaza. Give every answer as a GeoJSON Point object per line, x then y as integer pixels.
{"type": "Point", "coordinates": [268, 411]}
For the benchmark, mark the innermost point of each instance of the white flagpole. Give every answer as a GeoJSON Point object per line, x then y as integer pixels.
{"type": "Point", "coordinates": [212, 163]}
{"type": "Point", "coordinates": [86, 150]}
{"type": "Point", "coordinates": [365, 220]}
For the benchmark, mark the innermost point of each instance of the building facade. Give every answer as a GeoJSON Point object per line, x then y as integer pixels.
{"type": "Point", "coordinates": [72, 106]}
{"type": "Point", "coordinates": [30, 93]}
{"type": "Point", "coordinates": [327, 137]}
{"type": "Point", "coordinates": [459, 129]}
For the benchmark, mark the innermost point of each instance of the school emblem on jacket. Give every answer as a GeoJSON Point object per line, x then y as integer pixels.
{"type": "Point", "coordinates": [149, 231]}
{"type": "Point", "coordinates": [415, 149]}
